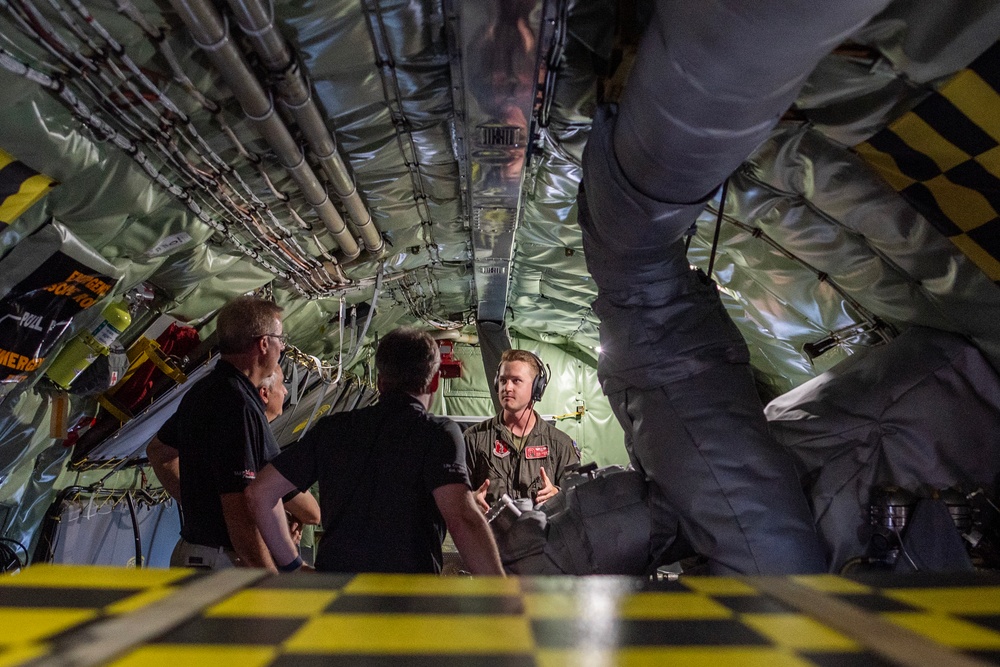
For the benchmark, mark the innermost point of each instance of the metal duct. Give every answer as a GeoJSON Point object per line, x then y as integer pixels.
{"type": "Point", "coordinates": [211, 34]}
{"type": "Point", "coordinates": [257, 22]}
{"type": "Point", "coordinates": [496, 51]}
{"type": "Point", "coordinates": [710, 82]}
{"type": "Point", "coordinates": [493, 341]}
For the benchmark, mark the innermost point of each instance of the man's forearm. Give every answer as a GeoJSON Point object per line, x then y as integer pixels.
{"type": "Point", "coordinates": [469, 529]}
{"type": "Point", "coordinates": [304, 508]}
{"type": "Point", "coordinates": [268, 513]}
{"type": "Point", "coordinates": [165, 462]}
{"type": "Point", "coordinates": [243, 533]}
{"type": "Point", "coordinates": [274, 531]}
{"type": "Point", "coordinates": [475, 543]}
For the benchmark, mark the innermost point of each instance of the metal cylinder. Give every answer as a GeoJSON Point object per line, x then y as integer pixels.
{"type": "Point", "coordinates": [891, 507]}
{"type": "Point", "coordinates": [959, 508]}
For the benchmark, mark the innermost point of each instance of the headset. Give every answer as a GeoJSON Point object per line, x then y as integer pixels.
{"type": "Point", "coordinates": [537, 385]}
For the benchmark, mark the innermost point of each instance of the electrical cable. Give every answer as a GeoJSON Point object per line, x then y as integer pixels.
{"type": "Point", "coordinates": [9, 560]}
{"type": "Point", "coordinates": [101, 128]}
{"type": "Point", "coordinates": [135, 530]}
{"type": "Point", "coordinates": [902, 549]}
{"type": "Point", "coordinates": [356, 352]}
{"type": "Point", "coordinates": [718, 225]}
{"type": "Point", "coordinates": [106, 85]}
{"type": "Point", "coordinates": [393, 94]}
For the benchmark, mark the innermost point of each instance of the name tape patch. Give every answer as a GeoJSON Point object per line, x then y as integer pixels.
{"type": "Point", "coordinates": [539, 452]}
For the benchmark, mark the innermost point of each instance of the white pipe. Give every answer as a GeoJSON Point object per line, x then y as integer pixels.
{"type": "Point", "coordinates": [456, 336]}
{"type": "Point", "coordinates": [211, 35]}
{"type": "Point", "coordinates": [296, 94]}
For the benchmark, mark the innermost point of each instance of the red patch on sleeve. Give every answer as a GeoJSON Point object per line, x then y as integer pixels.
{"type": "Point", "coordinates": [540, 452]}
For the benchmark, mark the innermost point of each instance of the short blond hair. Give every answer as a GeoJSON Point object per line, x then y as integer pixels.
{"type": "Point", "coordinates": [521, 355]}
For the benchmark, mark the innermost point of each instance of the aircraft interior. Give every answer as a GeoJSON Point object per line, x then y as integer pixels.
{"type": "Point", "coordinates": [755, 245]}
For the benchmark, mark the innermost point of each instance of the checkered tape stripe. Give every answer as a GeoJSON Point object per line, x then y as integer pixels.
{"type": "Point", "coordinates": [944, 158]}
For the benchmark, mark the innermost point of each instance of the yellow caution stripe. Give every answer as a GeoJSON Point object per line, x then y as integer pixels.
{"type": "Point", "coordinates": [20, 187]}
{"type": "Point", "coordinates": [944, 158]}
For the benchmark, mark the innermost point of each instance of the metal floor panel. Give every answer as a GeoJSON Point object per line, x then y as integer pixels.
{"type": "Point", "coordinates": [305, 619]}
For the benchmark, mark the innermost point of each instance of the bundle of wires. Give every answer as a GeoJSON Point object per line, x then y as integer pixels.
{"type": "Point", "coordinates": [9, 560]}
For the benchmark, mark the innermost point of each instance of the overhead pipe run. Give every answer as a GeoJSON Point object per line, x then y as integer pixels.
{"type": "Point", "coordinates": [257, 23]}
{"type": "Point", "coordinates": [711, 80]}
{"type": "Point", "coordinates": [211, 34]}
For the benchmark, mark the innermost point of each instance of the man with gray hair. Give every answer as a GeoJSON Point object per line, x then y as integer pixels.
{"type": "Point", "coordinates": [391, 478]}
{"type": "Point", "coordinates": [209, 451]}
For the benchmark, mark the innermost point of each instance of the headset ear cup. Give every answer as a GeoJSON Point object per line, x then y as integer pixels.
{"type": "Point", "coordinates": [540, 382]}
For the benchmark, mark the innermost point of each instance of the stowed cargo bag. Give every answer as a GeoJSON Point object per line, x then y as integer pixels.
{"type": "Point", "coordinates": [598, 525]}
{"type": "Point", "coordinates": [45, 281]}
{"type": "Point", "coordinates": [921, 413]}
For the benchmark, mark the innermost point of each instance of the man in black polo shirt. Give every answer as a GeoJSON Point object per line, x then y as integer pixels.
{"type": "Point", "coordinates": [391, 478]}
{"type": "Point", "coordinates": [207, 453]}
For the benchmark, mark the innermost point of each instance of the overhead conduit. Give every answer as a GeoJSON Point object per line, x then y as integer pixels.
{"type": "Point", "coordinates": [295, 93]}
{"type": "Point", "coordinates": [211, 34]}
{"type": "Point", "coordinates": [711, 80]}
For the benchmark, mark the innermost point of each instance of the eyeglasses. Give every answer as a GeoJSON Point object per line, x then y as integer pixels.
{"type": "Point", "coordinates": [281, 337]}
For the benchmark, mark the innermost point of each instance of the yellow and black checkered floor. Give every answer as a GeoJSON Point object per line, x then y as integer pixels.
{"type": "Point", "coordinates": [305, 620]}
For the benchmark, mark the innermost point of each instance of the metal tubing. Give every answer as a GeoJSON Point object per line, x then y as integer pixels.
{"type": "Point", "coordinates": [211, 34]}
{"type": "Point", "coordinates": [295, 93]}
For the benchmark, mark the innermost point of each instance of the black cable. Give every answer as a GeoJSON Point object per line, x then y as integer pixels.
{"type": "Point", "coordinates": [9, 560]}
{"type": "Point", "coordinates": [135, 530]}
{"type": "Point", "coordinates": [854, 562]}
{"type": "Point", "coordinates": [689, 234]}
{"type": "Point", "coordinates": [718, 225]}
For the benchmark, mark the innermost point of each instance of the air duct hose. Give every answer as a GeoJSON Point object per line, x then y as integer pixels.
{"type": "Point", "coordinates": [710, 82]}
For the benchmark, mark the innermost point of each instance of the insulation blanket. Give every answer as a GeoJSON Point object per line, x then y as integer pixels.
{"type": "Point", "coordinates": [92, 531]}
{"type": "Point", "coordinates": [921, 413]}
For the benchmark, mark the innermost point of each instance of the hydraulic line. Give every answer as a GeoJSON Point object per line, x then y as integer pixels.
{"type": "Point", "coordinates": [211, 34]}
{"type": "Point", "coordinates": [108, 133]}
{"type": "Point", "coordinates": [257, 23]}
{"type": "Point", "coordinates": [161, 131]}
